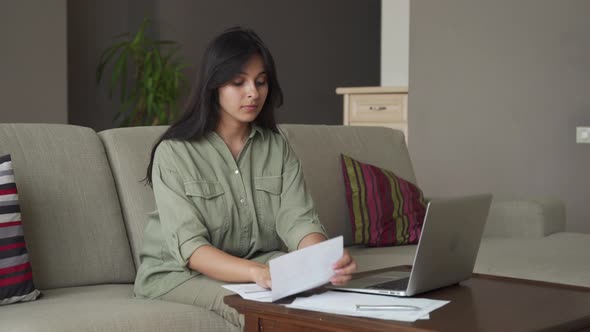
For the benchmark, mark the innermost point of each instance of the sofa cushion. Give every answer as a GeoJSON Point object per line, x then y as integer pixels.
{"type": "Point", "coordinates": [525, 218]}
{"type": "Point", "coordinates": [106, 308]}
{"type": "Point", "coordinates": [560, 257]}
{"type": "Point", "coordinates": [74, 227]}
{"type": "Point", "coordinates": [16, 276]}
{"type": "Point", "coordinates": [128, 150]}
{"type": "Point", "coordinates": [319, 148]}
{"type": "Point", "coordinates": [384, 209]}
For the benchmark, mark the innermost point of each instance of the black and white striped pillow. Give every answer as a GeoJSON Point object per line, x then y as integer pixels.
{"type": "Point", "coordinates": [16, 278]}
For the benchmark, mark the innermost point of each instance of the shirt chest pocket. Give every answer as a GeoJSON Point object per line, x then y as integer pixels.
{"type": "Point", "coordinates": [268, 191]}
{"type": "Point", "coordinates": [210, 202]}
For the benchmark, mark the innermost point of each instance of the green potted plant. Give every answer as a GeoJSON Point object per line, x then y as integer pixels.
{"type": "Point", "coordinates": [151, 96]}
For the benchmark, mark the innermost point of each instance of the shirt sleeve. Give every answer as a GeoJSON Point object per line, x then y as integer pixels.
{"type": "Point", "coordinates": [182, 225]}
{"type": "Point", "coordinates": [296, 217]}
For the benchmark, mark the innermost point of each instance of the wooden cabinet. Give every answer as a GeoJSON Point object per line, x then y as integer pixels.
{"type": "Point", "coordinates": [376, 106]}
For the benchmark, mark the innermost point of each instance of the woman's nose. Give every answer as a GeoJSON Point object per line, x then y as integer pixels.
{"type": "Point", "coordinates": [252, 90]}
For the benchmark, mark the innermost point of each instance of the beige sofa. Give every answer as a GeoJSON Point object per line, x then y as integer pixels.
{"type": "Point", "coordinates": [84, 209]}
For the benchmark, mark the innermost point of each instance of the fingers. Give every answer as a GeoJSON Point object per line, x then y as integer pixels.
{"type": "Point", "coordinates": [343, 261]}
{"type": "Point", "coordinates": [265, 283]}
{"type": "Point", "coordinates": [340, 280]}
{"type": "Point", "coordinates": [348, 269]}
{"type": "Point", "coordinates": [267, 280]}
{"type": "Point", "coordinates": [344, 268]}
{"type": "Point", "coordinates": [261, 276]}
{"type": "Point", "coordinates": [345, 265]}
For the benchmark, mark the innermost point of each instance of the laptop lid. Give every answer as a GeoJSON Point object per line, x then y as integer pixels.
{"type": "Point", "coordinates": [447, 249]}
{"type": "Point", "coordinates": [449, 242]}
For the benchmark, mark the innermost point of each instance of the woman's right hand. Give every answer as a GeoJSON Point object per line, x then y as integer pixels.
{"type": "Point", "coordinates": [260, 274]}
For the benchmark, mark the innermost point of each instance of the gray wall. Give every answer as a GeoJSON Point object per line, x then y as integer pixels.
{"type": "Point", "coordinates": [316, 47]}
{"type": "Point", "coordinates": [33, 67]}
{"type": "Point", "coordinates": [496, 91]}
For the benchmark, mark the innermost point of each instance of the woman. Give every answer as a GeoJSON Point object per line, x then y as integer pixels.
{"type": "Point", "coordinates": [229, 190]}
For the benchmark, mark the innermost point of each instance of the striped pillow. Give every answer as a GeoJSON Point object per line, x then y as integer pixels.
{"type": "Point", "coordinates": [385, 210]}
{"type": "Point", "coordinates": [16, 279]}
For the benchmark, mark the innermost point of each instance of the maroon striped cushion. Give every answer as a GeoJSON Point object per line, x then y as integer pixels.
{"type": "Point", "coordinates": [16, 278]}
{"type": "Point", "coordinates": [385, 210]}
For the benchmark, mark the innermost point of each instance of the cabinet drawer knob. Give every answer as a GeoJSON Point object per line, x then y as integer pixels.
{"type": "Point", "coordinates": [377, 108]}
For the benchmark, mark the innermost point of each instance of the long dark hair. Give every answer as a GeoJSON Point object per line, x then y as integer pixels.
{"type": "Point", "coordinates": [223, 60]}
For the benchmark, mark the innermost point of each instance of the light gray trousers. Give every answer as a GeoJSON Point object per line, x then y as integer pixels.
{"type": "Point", "coordinates": [207, 293]}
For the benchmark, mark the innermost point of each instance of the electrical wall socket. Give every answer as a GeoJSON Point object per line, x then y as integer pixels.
{"type": "Point", "coordinates": [582, 134]}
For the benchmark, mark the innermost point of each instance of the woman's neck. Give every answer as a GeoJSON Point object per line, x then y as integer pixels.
{"type": "Point", "coordinates": [234, 136]}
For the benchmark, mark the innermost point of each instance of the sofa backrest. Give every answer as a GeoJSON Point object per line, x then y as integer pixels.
{"type": "Point", "coordinates": [129, 151]}
{"type": "Point", "coordinates": [319, 148]}
{"type": "Point", "coordinates": [69, 206]}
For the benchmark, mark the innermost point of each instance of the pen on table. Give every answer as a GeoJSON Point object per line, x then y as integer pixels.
{"type": "Point", "coordinates": [400, 307]}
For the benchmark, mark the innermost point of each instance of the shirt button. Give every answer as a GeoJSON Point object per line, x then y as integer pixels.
{"type": "Point", "coordinates": [242, 200]}
{"type": "Point", "coordinates": [237, 171]}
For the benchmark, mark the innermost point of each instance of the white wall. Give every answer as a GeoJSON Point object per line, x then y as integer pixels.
{"type": "Point", "coordinates": [33, 61]}
{"type": "Point", "coordinates": [395, 36]}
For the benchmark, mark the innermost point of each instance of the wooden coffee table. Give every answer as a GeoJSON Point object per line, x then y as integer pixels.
{"type": "Point", "coordinates": [482, 303]}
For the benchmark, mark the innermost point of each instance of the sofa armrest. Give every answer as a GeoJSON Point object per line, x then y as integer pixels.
{"type": "Point", "coordinates": [525, 218]}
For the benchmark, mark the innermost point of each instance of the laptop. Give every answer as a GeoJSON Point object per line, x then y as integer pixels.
{"type": "Point", "coordinates": [446, 253]}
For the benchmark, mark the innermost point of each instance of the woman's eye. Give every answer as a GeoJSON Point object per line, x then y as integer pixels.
{"type": "Point", "coordinates": [258, 83]}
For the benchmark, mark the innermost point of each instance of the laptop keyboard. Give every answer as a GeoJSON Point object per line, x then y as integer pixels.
{"type": "Point", "coordinates": [399, 284]}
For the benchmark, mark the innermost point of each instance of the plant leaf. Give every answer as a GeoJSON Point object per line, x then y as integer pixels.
{"type": "Point", "coordinates": [149, 103]}
{"type": "Point", "coordinates": [124, 82]}
{"type": "Point", "coordinates": [120, 66]}
{"type": "Point", "coordinates": [139, 37]}
{"type": "Point", "coordinates": [162, 117]}
{"type": "Point", "coordinates": [170, 55]}
{"type": "Point", "coordinates": [158, 77]}
{"type": "Point", "coordinates": [123, 111]}
{"type": "Point", "coordinates": [158, 66]}
{"type": "Point", "coordinates": [125, 34]}
{"type": "Point", "coordinates": [105, 57]}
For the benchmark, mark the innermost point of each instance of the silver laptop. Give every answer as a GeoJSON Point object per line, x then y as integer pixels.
{"type": "Point", "coordinates": [446, 252]}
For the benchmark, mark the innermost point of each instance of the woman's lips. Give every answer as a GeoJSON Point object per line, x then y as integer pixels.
{"type": "Point", "coordinates": [250, 107]}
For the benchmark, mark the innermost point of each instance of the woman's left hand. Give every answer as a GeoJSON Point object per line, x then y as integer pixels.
{"type": "Point", "coordinates": [343, 269]}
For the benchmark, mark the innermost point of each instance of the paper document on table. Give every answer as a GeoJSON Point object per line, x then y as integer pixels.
{"type": "Point", "coordinates": [250, 292]}
{"type": "Point", "coordinates": [345, 303]}
{"type": "Point", "coordinates": [305, 268]}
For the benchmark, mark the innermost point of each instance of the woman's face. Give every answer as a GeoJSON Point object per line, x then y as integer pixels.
{"type": "Point", "coordinates": [241, 99]}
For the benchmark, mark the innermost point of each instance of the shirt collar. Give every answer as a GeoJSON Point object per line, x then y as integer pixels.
{"type": "Point", "coordinates": [256, 129]}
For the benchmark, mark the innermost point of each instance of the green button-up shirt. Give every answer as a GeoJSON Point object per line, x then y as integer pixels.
{"type": "Point", "coordinates": [244, 206]}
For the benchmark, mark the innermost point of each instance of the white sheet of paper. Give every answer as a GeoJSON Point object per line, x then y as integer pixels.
{"type": "Point", "coordinates": [250, 292]}
{"type": "Point", "coordinates": [304, 269]}
{"type": "Point", "coordinates": [344, 303]}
